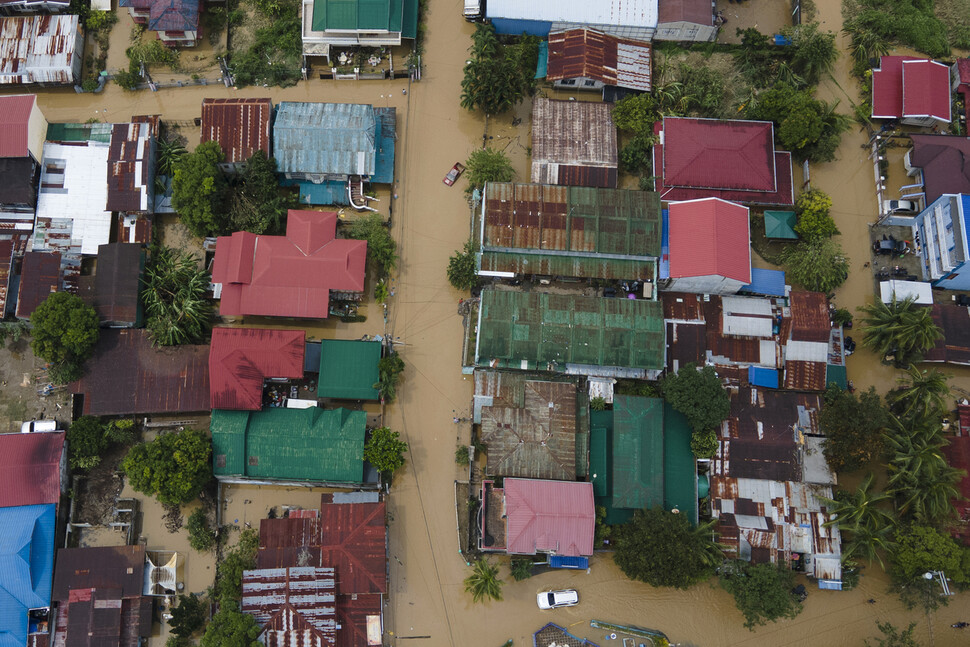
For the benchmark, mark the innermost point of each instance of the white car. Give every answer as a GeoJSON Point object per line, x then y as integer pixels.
{"type": "Point", "coordinates": [900, 206]}
{"type": "Point", "coordinates": [38, 425]}
{"type": "Point", "coordinates": [556, 599]}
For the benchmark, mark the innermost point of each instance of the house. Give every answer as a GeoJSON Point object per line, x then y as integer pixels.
{"type": "Point", "coordinates": [623, 18]}
{"type": "Point", "coordinates": [944, 246]}
{"type": "Point", "coordinates": [291, 275]}
{"type": "Point", "coordinates": [570, 333]}
{"type": "Point", "coordinates": [686, 20]}
{"type": "Point", "coordinates": [175, 22]}
{"type": "Point", "coordinates": [350, 23]}
{"type": "Point", "coordinates": [740, 162]}
{"type": "Point", "coordinates": [99, 592]}
{"type": "Point", "coordinates": [33, 469]}
{"type": "Point", "coordinates": [710, 249]}
{"type": "Point", "coordinates": [957, 453]}
{"type": "Point", "coordinates": [960, 79]}
{"type": "Point", "coordinates": [569, 232]}
{"type": "Point", "coordinates": [127, 375]}
{"type": "Point", "coordinates": [526, 517]}
{"type": "Point", "coordinates": [47, 50]}
{"type": "Point", "coordinates": [242, 359]}
{"type": "Point", "coordinates": [349, 369]}
{"type": "Point", "coordinates": [916, 91]}
{"type": "Point", "coordinates": [21, 152]}
{"type": "Point", "coordinates": [131, 169]}
{"type": "Point", "coordinates": [14, 7]}
{"type": "Point", "coordinates": [586, 59]}
{"type": "Point", "coordinates": [292, 604]}
{"type": "Point", "coordinates": [348, 535]}
{"type": "Point", "coordinates": [954, 347]}
{"type": "Point", "coordinates": [807, 352]}
{"type": "Point", "coordinates": [40, 275]}
{"type": "Point", "coordinates": [240, 126]}
{"type": "Point", "coordinates": [290, 446]}
{"type": "Point", "coordinates": [573, 143]}
{"type": "Point", "coordinates": [114, 290]}
{"type": "Point", "coordinates": [940, 164]}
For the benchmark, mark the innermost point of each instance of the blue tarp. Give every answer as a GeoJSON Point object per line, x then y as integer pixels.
{"type": "Point", "coordinates": [564, 561]}
{"type": "Point", "coordinates": [764, 377]}
{"type": "Point", "coordinates": [26, 566]}
{"type": "Point", "coordinates": [770, 283]}
{"type": "Point", "coordinates": [543, 65]}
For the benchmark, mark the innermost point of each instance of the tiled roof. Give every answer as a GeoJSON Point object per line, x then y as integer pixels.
{"type": "Point", "coordinates": [26, 567]}
{"type": "Point", "coordinates": [174, 15]}
{"type": "Point", "coordinates": [549, 516]}
{"type": "Point", "coordinates": [587, 53]}
{"type": "Point", "coordinates": [30, 468]}
{"type": "Point", "coordinates": [241, 126]}
{"type": "Point", "coordinates": [291, 275]}
{"type": "Point", "coordinates": [240, 359]}
{"type": "Point", "coordinates": [39, 277]}
{"type": "Point", "coordinates": [709, 237]}
{"type": "Point", "coordinates": [349, 369]}
{"type": "Point", "coordinates": [14, 117]}
{"type": "Point", "coordinates": [904, 86]}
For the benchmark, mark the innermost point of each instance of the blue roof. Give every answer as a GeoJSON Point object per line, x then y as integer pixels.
{"type": "Point", "coordinates": [26, 567]}
{"type": "Point", "coordinates": [325, 138]}
{"type": "Point", "coordinates": [543, 65]}
{"type": "Point", "coordinates": [665, 246]}
{"type": "Point", "coordinates": [965, 207]}
{"type": "Point", "coordinates": [764, 377]}
{"type": "Point", "coordinates": [767, 282]}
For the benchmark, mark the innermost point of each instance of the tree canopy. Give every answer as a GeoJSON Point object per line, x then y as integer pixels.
{"type": "Point", "coordinates": [813, 52]}
{"type": "Point", "coordinates": [920, 549]}
{"type": "Point", "coordinates": [699, 395]}
{"type": "Point", "coordinates": [381, 248]}
{"type": "Point", "coordinates": [199, 190]}
{"type": "Point", "coordinates": [899, 331]}
{"type": "Point", "coordinates": [487, 165]}
{"type": "Point", "coordinates": [762, 592]}
{"type": "Point", "coordinates": [385, 450]}
{"type": "Point", "coordinates": [864, 519]}
{"type": "Point", "coordinates": [230, 626]}
{"type": "Point", "coordinates": [189, 616]}
{"type": "Point", "coordinates": [853, 428]}
{"type": "Point", "coordinates": [893, 637]}
{"type": "Point", "coordinates": [201, 536]}
{"type": "Point", "coordinates": [920, 477]}
{"type": "Point", "coordinates": [64, 332]}
{"type": "Point", "coordinates": [819, 265]}
{"type": "Point", "coordinates": [484, 582]}
{"type": "Point", "coordinates": [462, 273]}
{"type": "Point", "coordinates": [176, 298]}
{"type": "Point", "coordinates": [662, 549]}
{"type": "Point", "coordinates": [229, 572]}
{"type": "Point", "coordinates": [87, 438]}
{"type": "Point", "coordinates": [390, 369]}
{"type": "Point", "coordinates": [255, 202]}
{"type": "Point", "coordinates": [920, 394]}
{"type": "Point", "coordinates": [494, 80]}
{"type": "Point", "coordinates": [814, 221]}
{"type": "Point", "coordinates": [174, 467]}
{"type": "Point", "coordinates": [811, 129]}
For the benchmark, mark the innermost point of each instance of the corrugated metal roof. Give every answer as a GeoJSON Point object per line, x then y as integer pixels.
{"type": "Point", "coordinates": [358, 15]}
{"type": "Point", "coordinates": [810, 316]}
{"type": "Point", "coordinates": [587, 53]}
{"type": "Point", "coordinates": [14, 117]}
{"type": "Point", "coordinates": [746, 317]}
{"type": "Point", "coordinates": [39, 277]}
{"type": "Point", "coordinates": [294, 606]}
{"type": "Point", "coordinates": [634, 13]}
{"type": "Point", "coordinates": [766, 282]}
{"type": "Point", "coordinates": [26, 565]}
{"type": "Point", "coordinates": [596, 266]}
{"type": "Point", "coordinates": [638, 452]}
{"type": "Point", "coordinates": [349, 369]}
{"type": "Point", "coordinates": [30, 468]}
{"type": "Point", "coordinates": [174, 15]}
{"type": "Point", "coordinates": [104, 567]}
{"type": "Point", "coordinates": [18, 191]}
{"type": "Point", "coordinates": [572, 133]}
{"type": "Point", "coordinates": [131, 169]}
{"type": "Point", "coordinates": [780, 224]}
{"type": "Point", "coordinates": [117, 284]}
{"type": "Point", "coordinates": [709, 237]}
{"type": "Point", "coordinates": [325, 138]}
{"type": "Point", "coordinates": [904, 86]}
{"type": "Point", "coordinates": [699, 12]}
{"type": "Point", "coordinates": [241, 126]}
{"type": "Point", "coordinates": [549, 516]}
{"type": "Point", "coordinates": [680, 465]}
{"type": "Point", "coordinates": [127, 375]}
{"type": "Point", "coordinates": [6, 264]}
{"type": "Point", "coordinates": [957, 454]}
{"type": "Point", "coordinates": [290, 444]}
{"type": "Point", "coordinates": [39, 49]}
{"type": "Point", "coordinates": [241, 359]}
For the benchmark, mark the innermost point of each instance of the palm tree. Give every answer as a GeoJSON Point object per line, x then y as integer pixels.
{"type": "Point", "coordinates": [899, 331]}
{"type": "Point", "coordinates": [168, 152]}
{"type": "Point", "coordinates": [176, 299]}
{"type": "Point", "coordinates": [929, 501]}
{"type": "Point", "coordinates": [484, 582]}
{"type": "Point", "coordinates": [862, 515]}
{"type": "Point", "coordinates": [814, 52]}
{"type": "Point", "coordinates": [921, 393]}
{"type": "Point", "coordinates": [711, 552]}
{"type": "Point", "coordinates": [920, 478]}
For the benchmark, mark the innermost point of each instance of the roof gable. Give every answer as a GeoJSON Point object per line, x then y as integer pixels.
{"type": "Point", "coordinates": [549, 516]}
{"type": "Point", "coordinates": [587, 53]}
{"type": "Point", "coordinates": [174, 15]}
{"type": "Point", "coordinates": [241, 359]}
{"type": "Point", "coordinates": [30, 468]}
{"type": "Point", "coordinates": [14, 116]}
{"type": "Point", "coordinates": [709, 237]}
{"type": "Point", "coordinates": [291, 604]}
{"type": "Point", "coordinates": [906, 86]}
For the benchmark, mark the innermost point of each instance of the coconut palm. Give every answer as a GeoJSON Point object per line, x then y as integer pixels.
{"type": "Point", "coordinates": [920, 478]}
{"type": "Point", "coordinates": [929, 501]}
{"type": "Point", "coordinates": [899, 331]}
{"type": "Point", "coordinates": [814, 51]}
{"type": "Point", "coordinates": [921, 393]}
{"type": "Point", "coordinates": [168, 152]}
{"type": "Point", "coordinates": [484, 582]}
{"type": "Point", "coordinates": [176, 298]}
{"type": "Point", "coordinates": [863, 516]}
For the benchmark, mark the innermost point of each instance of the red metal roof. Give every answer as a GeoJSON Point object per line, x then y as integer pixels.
{"type": "Point", "coordinates": [587, 53]}
{"type": "Point", "coordinates": [810, 316]}
{"type": "Point", "coordinates": [30, 468]}
{"type": "Point", "coordinates": [958, 456]}
{"type": "Point", "coordinates": [904, 86]}
{"type": "Point", "coordinates": [40, 275]}
{"type": "Point", "coordinates": [352, 614]}
{"type": "Point", "coordinates": [709, 237]}
{"type": "Point", "coordinates": [240, 359]}
{"type": "Point", "coordinates": [291, 275]}
{"type": "Point", "coordinates": [14, 116]}
{"type": "Point", "coordinates": [963, 71]}
{"type": "Point", "coordinates": [241, 126]}
{"type": "Point", "coordinates": [699, 12]}
{"type": "Point", "coordinates": [549, 516]}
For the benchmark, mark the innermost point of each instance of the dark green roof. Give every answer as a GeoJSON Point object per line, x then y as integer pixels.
{"type": "Point", "coordinates": [348, 369]}
{"type": "Point", "coordinates": [680, 466]}
{"type": "Point", "coordinates": [279, 444]}
{"type": "Point", "coordinates": [599, 452]}
{"type": "Point", "coordinates": [366, 15]}
{"type": "Point", "coordinates": [638, 452]}
{"type": "Point", "coordinates": [836, 374]}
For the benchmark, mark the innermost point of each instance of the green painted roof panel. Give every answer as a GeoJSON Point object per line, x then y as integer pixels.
{"type": "Point", "coordinates": [585, 266]}
{"type": "Point", "coordinates": [349, 369]}
{"type": "Point", "coordinates": [780, 224]}
{"type": "Point", "coordinates": [598, 457]}
{"type": "Point", "coordinates": [366, 15]}
{"type": "Point", "coordinates": [638, 452]}
{"type": "Point", "coordinates": [680, 467]}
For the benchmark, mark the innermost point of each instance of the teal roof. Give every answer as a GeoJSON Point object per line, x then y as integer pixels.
{"type": "Point", "coordinates": [279, 444]}
{"type": "Point", "coordinates": [366, 15]}
{"type": "Point", "coordinates": [325, 138]}
{"type": "Point", "coordinates": [680, 467]}
{"type": "Point", "coordinates": [348, 369]}
{"type": "Point", "coordinates": [93, 132]}
{"type": "Point", "coordinates": [600, 463]}
{"type": "Point", "coordinates": [780, 224]}
{"type": "Point", "coordinates": [837, 375]}
{"type": "Point", "coordinates": [26, 567]}
{"type": "Point", "coordinates": [638, 452]}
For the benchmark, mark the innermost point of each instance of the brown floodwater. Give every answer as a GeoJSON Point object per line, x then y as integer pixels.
{"type": "Point", "coordinates": [426, 604]}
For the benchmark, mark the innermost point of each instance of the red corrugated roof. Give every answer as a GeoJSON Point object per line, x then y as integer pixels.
{"type": "Point", "coordinates": [904, 86]}
{"type": "Point", "coordinates": [291, 275]}
{"type": "Point", "coordinates": [958, 456]}
{"type": "Point", "coordinates": [709, 237]}
{"type": "Point", "coordinates": [240, 359]}
{"type": "Point", "coordinates": [30, 468]}
{"type": "Point", "coordinates": [14, 116]}
{"type": "Point", "coordinates": [587, 53]}
{"type": "Point", "coordinates": [963, 71]}
{"type": "Point", "coordinates": [241, 126]}
{"type": "Point", "coordinates": [549, 516]}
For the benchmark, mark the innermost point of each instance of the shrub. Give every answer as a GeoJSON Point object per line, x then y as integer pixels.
{"type": "Point", "coordinates": [461, 455]}
{"type": "Point", "coordinates": [64, 332]}
{"type": "Point", "coordinates": [384, 450]}
{"type": "Point", "coordinates": [814, 221]}
{"type": "Point", "coordinates": [520, 568]}
{"type": "Point", "coordinates": [201, 536]}
{"type": "Point", "coordinates": [462, 270]}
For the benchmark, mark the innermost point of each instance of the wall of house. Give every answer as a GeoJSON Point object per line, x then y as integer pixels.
{"type": "Point", "coordinates": [689, 31]}
{"type": "Point", "coordinates": [579, 83]}
{"type": "Point", "coordinates": [924, 122]}
{"type": "Point", "coordinates": [37, 132]}
{"type": "Point", "coordinates": [711, 284]}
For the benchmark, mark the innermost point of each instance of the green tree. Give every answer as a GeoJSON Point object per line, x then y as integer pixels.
{"type": "Point", "coordinates": [814, 221]}
{"type": "Point", "coordinates": [168, 152]}
{"type": "Point", "coordinates": [484, 582]}
{"type": "Point", "coordinates": [922, 549]}
{"type": "Point", "coordinates": [176, 298]}
{"type": "Point", "coordinates": [520, 568]}
{"type": "Point", "coordinates": [189, 616]}
{"type": "Point", "coordinates": [231, 627]}
{"type": "Point", "coordinates": [229, 572]}
{"type": "Point", "coordinates": [817, 265]}
{"type": "Point", "coordinates": [390, 368]}
{"type": "Point", "coordinates": [255, 202]}
{"type": "Point", "coordinates": [862, 518]}
{"type": "Point", "coordinates": [853, 428]}
{"type": "Point", "coordinates": [462, 270]}
{"type": "Point", "coordinates": [899, 331]}
{"type": "Point", "coordinates": [487, 165]}
{"type": "Point", "coordinates": [636, 114]}
{"type": "Point", "coordinates": [893, 637]}
{"type": "Point", "coordinates": [64, 332]}
{"type": "Point", "coordinates": [921, 393]}
{"type": "Point", "coordinates": [811, 129]}
{"type": "Point", "coordinates": [493, 81]}
{"type": "Point", "coordinates": [702, 89]}
{"type": "Point", "coordinates": [699, 395]}
{"type": "Point", "coordinates": [86, 439]}
{"type": "Point", "coordinates": [174, 467]}
{"type": "Point", "coordinates": [201, 536]}
{"type": "Point", "coordinates": [662, 549]}
{"type": "Point", "coordinates": [381, 248]}
{"type": "Point", "coordinates": [199, 190]}
{"type": "Point", "coordinates": [919, 476]}
{"type": "Point", "coordinates": [704, 443]}
{"type": "Point", "coordinates": [762, 592]}
{"type": "Point", "coordinates": [813, 52]}
{"type": "Point", "coordinates": [384, 450]}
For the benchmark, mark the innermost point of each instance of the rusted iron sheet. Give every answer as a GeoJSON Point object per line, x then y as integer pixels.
{"type": "Point", "coordinates": [810, 316]}
{"type": "Point", "coordinates": [39, 49]}
{"type": "Point", "coordinates": [804, 376]}
{"type": "Point", "coordinates": [39, 277]}
{"type": "Point", "coordinates": [590, 54]}
{"type": "Point", "coordinates": [572, 133]}
{"type": "Point", "coordinates": [296, 606]}
{"type": "Point", "coordinates": [240, 126]}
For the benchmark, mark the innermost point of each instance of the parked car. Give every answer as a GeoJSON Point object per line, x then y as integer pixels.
{"type": "Point", "coordinates": [556, 599]}
{"type": "Point", "coordinates": [900, 206]}
{"type": "Point", "coordinates": [454, 173]}
{"type": "Point", "coordinates": [473, 10]}
{"type": "Point", "coordinates": [38, 425]}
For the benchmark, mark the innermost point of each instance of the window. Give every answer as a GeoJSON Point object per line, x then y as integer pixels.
{"type": "Point", "coordinates": [589, 83]}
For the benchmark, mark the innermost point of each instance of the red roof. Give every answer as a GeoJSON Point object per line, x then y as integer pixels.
{"type": "Point", "coordinates": [241, 126]}
{"type": "Point", "coordinates": [291, 275]}
{"type": "Point", "coordinates": [699, 12]}
{"type": "Point", "coordinates": [709, 237]}
{"type": "Point", "coordinates": [549, 516]}
{"type": "Point", "coordinates": [963, 71]}
{"type": "Point", "coordinates": [958, 456]}
{"type": "Point", "coordinates": [14, 116]}
{"type": "Point", "coordinates": [240, 359]}
{"type": "Point", "coordinates": [30, 468]}
{"type": "Point", "coordinates": [903, 86]}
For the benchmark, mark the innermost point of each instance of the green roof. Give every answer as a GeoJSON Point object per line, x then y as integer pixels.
{"type": "Point", "coordinates": [837, 375]}
{"type": "Point", "coordinates": [780, 224]}
{"type": "Point", "coordinates": [366, 15]}
{"type": "Point", "coordinates": [638, 452]}
{"type": "Point", "coordinates": [599, 452]}
{"type": "Point", "coordinates": [279, 444]}
{"type": "Point", "coordinates": [537, 330]}
{"type": "Point", "coordinates": [93, 132]}
{"type": "Point", "coordinates": [348, 369]}
{"type": "Point", "coordinates": [680, 466]}
{"type": "Point", "coordinates": [587, 266]}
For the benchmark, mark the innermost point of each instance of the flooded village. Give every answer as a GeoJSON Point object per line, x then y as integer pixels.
{"type": "Point", "coordinates": [404, 322]}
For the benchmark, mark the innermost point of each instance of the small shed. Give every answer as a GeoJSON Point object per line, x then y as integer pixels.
{"type": "Point", "coordinates": [780, 224]}
{"type": "Point", "coordinates": [349, 369]}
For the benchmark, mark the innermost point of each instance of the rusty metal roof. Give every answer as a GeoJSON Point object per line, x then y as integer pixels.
{"type": "Point", "coordinates": [954, 347]}
{"type": "Point", "coordinates": [103, 567]}
{"type": "Point", "coordinates": [685, 344]}
{"type": "Point", "coordinates": [804, 376]}
{"type": "Point", "coordinates": [130, 168]}
{"type": "Point", "coordinates": [295, 606]}
{"type": "Point", "coordinates": [39, 49]}
{"type": "Point", "coordinates": [30, 468]}
{"type": "Point", "coordinates": [18, 190]}
{"type": "Point", "coordinates": [241, 126]}
{"type": "Point", "coordinates": [591, 54]}
{"type": "Point", "coordinates": [117, 283]}
{"type": "Point", "coordinates": [573, 134]}
{"type": "Point", "coordinates": [698, 12]}
{"type": "Point", "coordinates": [810, 316]}
{"type": "Point", "coordinates": [127, 375]}
{"type": "Point", "coordinates": [682, 306]}
{"type": "Point", "coordinates": [39, 277]}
